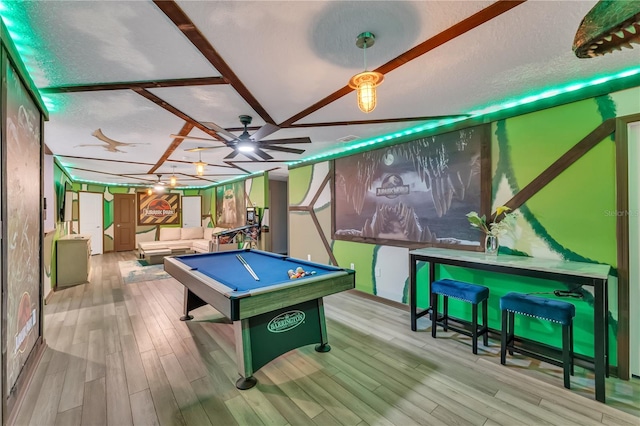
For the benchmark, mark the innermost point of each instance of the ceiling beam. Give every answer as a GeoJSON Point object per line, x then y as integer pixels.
{"type": "Point", "coordinates": [377, 121]}
{"type": "Point", "coordinates": [181, 82]}
{"type": "Point", "coordinates": [174, 145]}
{"type": "Point", "coordinates": [123, 175]}
{"type": "Point", "coordinates": [193, 34]}
{"type": "Point", "coordinates": [208, 164]}
{"type": "Point", "coordinates": [175, 111]}
{"type": "Point", "coordinates": [101, 159]}
{"type": "Point", "coordinates": [473, 21]}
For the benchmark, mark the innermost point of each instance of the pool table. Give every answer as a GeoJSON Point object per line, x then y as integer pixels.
{"type": "Point", "coordinates": [272, 314]}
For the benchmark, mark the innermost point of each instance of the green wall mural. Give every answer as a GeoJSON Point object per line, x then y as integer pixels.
{"type": "Point", "coordinates": [299, 184]}
{"type": "Point", "coordinates": [362, 256]}
{"type": "Point", "coordinates": [576, 201]}
{"type": "Point", "coordinates": [62, 180]}
{"type": "Point", "coordinates": [552, 224]}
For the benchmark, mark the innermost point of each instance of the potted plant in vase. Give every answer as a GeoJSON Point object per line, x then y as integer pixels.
{"type": "Point", "coordinates": [503, 220]}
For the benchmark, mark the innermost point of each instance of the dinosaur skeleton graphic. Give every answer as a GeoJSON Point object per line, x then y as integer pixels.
{"type": "Point", "coordinates": [112, 145]}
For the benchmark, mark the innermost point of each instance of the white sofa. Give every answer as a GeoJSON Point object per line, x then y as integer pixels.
{"type": "Point", "coordinates": [197, 239]}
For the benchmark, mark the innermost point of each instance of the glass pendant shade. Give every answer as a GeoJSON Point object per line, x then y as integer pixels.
{"type": "Point", "coordinates": [149, 191]}
{"type": "Point", "coordinates": [173, 180]}
{"type": "Point", "coordinates": [200, 167]}
{"type": "Point", "coordinates": [365, 84]}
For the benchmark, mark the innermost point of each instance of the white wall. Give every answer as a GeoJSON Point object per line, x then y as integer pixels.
{"type": "Point", "coordinates": [49, 221]}
{"type": "Point", "coordinates": [278, 216]}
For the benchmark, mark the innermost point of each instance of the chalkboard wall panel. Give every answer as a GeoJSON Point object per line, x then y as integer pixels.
{"type": "Point", "coordinates": [415, 193]}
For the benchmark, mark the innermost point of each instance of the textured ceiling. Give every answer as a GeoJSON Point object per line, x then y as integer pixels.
{"type": "Point", "coordinates": [281, 58]}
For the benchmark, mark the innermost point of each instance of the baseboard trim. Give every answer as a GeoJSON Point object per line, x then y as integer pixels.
{"type": "Point", "coordinates": [379, 299]}
{"type": "Point", "coordinates": [15, 400]}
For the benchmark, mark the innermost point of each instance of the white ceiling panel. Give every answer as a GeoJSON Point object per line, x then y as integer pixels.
{"type": "Point", "coordinates": [217, 103]}
{"type": "Point", "coordinates": [80, 42]}
{"type": "Point", "coordinates": [284, 57]}
{"type": "Point", "coordinates": [122, 115]}
{"type": "Point", "coordinates": [306, 50]}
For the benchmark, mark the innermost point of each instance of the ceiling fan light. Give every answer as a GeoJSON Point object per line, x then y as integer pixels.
{"type": "Point", "coordinates": [246, 147]}
{"type": "Point", "coordinates": [158, 188]}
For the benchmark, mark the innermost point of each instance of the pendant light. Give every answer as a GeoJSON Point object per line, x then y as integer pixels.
{"type": "Point", "coordinates": [199, 165]}
{"type": "Point", "coordinates": [366, 82]}
{"type": "Point", "coordinates": [173, 180]}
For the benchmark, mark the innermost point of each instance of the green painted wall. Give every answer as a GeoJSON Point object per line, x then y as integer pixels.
{"type": "Point", "coordinates": [566, 219]}
{"type": "Point", "coordinates": [60, 179]}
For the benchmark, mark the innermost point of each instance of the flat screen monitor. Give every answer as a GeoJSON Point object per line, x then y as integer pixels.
{"type": "Point", "coordinates": [251, 216]}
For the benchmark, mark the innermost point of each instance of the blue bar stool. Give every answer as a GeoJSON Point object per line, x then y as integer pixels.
{"type": "Point", "coordinates": [471, 293]}
{"type": "Point", "coordinates": [542, 308]}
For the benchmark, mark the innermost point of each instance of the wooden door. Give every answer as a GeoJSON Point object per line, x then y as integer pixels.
{"type": "Point", "coordinates": [124, 222]}
{"type": "Point", "coordinates": [91, 219]}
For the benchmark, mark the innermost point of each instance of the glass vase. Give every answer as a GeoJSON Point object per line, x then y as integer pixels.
{"type": "Point", "coordinates": [491, 245]}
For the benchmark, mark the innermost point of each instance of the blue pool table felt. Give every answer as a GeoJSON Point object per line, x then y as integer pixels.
{"type": "Point", "coordinates": [225, 268]}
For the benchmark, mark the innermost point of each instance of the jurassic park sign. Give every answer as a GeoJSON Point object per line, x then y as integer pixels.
{"type": "Point", "coordinates": [158, 209]}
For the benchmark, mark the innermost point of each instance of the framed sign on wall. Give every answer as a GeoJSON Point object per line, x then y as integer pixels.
{"type": "Point", "coordinates": [230, 205]}
{"type": "Point", "coordinates": [415, 194]}
{"type": "Point", "coordinates": [158, 209]}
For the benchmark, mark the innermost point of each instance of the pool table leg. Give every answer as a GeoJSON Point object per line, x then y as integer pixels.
{"type": "Point", "coordinates": [324, 345]}
{"type": "Point", "coordinates": [191, 301]}
{"type": "Point", "coordinates": [243, 354]}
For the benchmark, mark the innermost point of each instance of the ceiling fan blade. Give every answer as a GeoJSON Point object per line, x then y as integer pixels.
{"type": "Point", "coordinates": [218, 129]}
{"type": "Point", "coordinates": [286, 141]}
{"type": "Point", "coordinates": [264, 131]}
{"type": "Point", "coordinates": [232, 154]}
{"type": "Point", "coordinates": [263, 154]}
{"type": "Point", "coordinates": [203, 148]}
{"type": "Point", "coordinates": [284, 149]}
{"type": "Point", "coordinates": [250, 156]}
{"type": "Point", "coordinates": [194, 138]}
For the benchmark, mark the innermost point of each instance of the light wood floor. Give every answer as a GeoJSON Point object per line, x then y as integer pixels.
{"type": "Point", "coordinates": [117, 354]}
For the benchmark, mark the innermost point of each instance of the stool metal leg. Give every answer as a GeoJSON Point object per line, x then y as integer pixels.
{"type": "Point", "coordinates": [503, 338]}
{"type": "Point", "coordinates": [512, 331]}
{"type": "Point", "coordinates": [566, 358]}
{"type": "Point", "coordinates": [445, 310]}
{"type": "Point", "coordinates": [434, 314]}
{"type": "Point", "coordinates": [485, 323]}
{"type": "Point", "coordinates": [474, 328]}
{"type": "Point", "coordinates": [571, 346]}
{"type": "Point", "coordinates": [606, 338]}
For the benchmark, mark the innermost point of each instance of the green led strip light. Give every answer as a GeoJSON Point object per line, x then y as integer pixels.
{"type": "Point", "coordinates": [18, 27]}
{"type": "Point", "coordinates": [491, 109]}
{"type": "Point", "coordinates": [131, 185]}
{"type": "Point", "coordinates": [17, 24]}
{"type": "Point", "coordinates": [235, 179]}
{"type": "Point", "coordinates": [74, 179]}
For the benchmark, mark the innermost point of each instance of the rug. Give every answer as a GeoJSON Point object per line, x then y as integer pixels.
{"type": "Point", "coordinates": [134, 271]}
